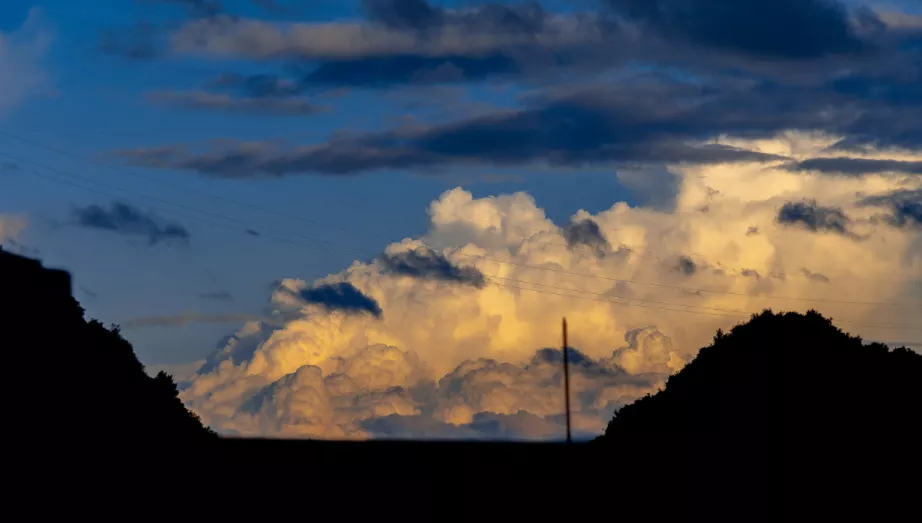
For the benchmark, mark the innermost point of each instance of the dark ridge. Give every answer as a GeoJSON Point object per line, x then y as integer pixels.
{"type": "Point", "coordinates": [783, 417]}
{"type": "Point", "coordinates": [791, 408]}
{"type": "Point", "coordinates": [79, 383]}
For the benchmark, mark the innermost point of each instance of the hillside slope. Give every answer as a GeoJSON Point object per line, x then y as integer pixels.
{"type": "Point", "coordinates": [76, 382]}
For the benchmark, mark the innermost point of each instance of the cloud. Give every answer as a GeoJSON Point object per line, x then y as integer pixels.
{"type": "Point", "coordinates": [424, 263]}
{"type": "Point", "coordinates": [209, 101]}
{"type": "Point", "coordinates": [686, 266]}
{"type": "Point", "coordinates": [653, 186]}
{"type": "Point", "coordinates": [217, 296]}
{"type": "Point", "coordinates": [857, 166]}
{"type": "Point", "coordinates": [814, 217]}
{"type": "Point", "coordinates": [465, 361]}
{"type": "Point", "coordinates": [123, 218]}
{"type": "Point", "coordinates": [591, 126]}
{"type": "Point", "coordinates": [390, 32]}
{"type": "Point", "coordinates": [341, 296]}
{"type": "Point", "coordinates": [21, 54]}
{"type": "Point", "coordinates": [587, 233]}
{"type": "Point", "coordinates": [814, 276]}
{"type": "Point", "coordinates": [787, 29]}
{"type": "Point", "coordinates": [905, 207]}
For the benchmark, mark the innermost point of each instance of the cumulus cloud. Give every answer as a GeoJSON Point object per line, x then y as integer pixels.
{"type": "Point", "coordinates": [450, 360]}
{"type": "Point", "coordinates": [123, 218]}
{"type": "Point", "coordinates": [21, 53]}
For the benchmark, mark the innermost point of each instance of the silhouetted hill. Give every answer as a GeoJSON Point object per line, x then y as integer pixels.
{"type": "Point", "coordinates": [77, 382]}
{"type": "Point", "coordinates": [784, 375]}
{"type": "Point", "coordinates": [783, 417]}
{"type": "Point", "coordinates": [784, 408]}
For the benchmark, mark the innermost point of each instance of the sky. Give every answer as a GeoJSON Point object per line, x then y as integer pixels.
{"type": "Point", "coordinates": [366, 218]}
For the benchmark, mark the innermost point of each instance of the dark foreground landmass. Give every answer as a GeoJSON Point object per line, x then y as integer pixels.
{"type": "Point", "coordinates": [783, 417]}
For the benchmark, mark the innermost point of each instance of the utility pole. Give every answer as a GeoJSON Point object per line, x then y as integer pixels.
{"type": "Point", "coordinates": [566, 379]}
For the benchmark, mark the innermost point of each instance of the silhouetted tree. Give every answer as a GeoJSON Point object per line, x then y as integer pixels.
{"type": "Point", "coordinates": [783, 407]}
{"type": "Point", "coordinates": [76, 382]}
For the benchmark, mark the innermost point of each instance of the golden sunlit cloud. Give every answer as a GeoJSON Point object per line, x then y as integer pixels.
{"type": "Point", "coordinates": [442, 336]}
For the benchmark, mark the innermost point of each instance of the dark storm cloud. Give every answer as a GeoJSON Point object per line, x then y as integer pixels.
{"type": "Point", "coordinates": [905, 207]}
{"type": "Point", "coordinates": [429, 265]}
{"type": "Point", "coordinates": [645, 121]}
{"type": "Point", "coordinates": [686, 266]}
{"type": "Point", "coordinates": [123, 218]}
{"type": "Point", "coordinates": [804, 65]}
{"type": "Point", "coordinates": [789, 29]}
{"type": "Point", "coordinates": [342, 296]}
{"type": "Point", "coordinates": [815, 218]}
{"type": "Point", "coordinates": [856, 166]}
{"type": "Point", "coordinates": [587, 232]}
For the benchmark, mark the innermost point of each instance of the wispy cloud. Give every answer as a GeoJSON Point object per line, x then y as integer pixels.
{"type": "Point", "coordinates": [123, 218]}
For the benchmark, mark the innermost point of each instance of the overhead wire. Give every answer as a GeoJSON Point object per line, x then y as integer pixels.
{"type": "Point", "coordinates": [505, 262]}
{"type": "Point", "coordinates": [573, 293]}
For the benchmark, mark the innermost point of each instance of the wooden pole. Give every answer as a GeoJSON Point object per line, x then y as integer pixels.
{"type": "Point", "coordinates": [566, 379]}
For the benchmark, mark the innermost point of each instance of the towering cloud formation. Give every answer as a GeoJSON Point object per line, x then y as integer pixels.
{"type": "Point", "coordinates": [447, 335]}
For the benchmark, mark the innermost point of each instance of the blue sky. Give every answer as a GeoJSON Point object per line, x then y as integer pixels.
{"type": "Point", "coordinates": [95, 101]}
{"type": "Point", "coordinates": [95, 104]}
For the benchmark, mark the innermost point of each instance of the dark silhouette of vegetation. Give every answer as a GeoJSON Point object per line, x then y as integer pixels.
{"type": "Point", "coordinates": [782, 414]}
{"type": "Point", "coordinates": [783, 417]}
{"type": "Point", "coordinates": [82, 381]}
{"type": "Point", "coordinates": [784, 375]}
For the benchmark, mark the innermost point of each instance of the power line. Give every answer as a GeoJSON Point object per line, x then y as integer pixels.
{"type": "Point", "coordinates": [184, 188]}
{"type": "Point", "coordinates": [517, 264]}
{"type": "Point", "coordinates": [585, 295]}
{"type": "Point", "coordinates": [168, 202]}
